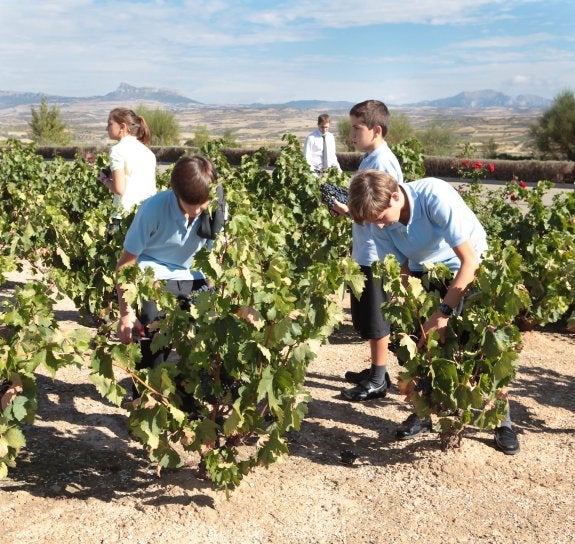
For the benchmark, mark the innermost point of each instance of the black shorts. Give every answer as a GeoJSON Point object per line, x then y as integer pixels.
{"type": "Point", "coordinates": [366, 313]}
{"type": "Point", "coordinates": [149, 313]}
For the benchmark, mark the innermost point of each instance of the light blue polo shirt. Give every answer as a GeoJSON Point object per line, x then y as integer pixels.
{"type": "Point", "coordinates": [162, 239]}
{"type": "Point", "coordinates": [440, 220]}
{"type": "Point", "coordinates": [363, 249]}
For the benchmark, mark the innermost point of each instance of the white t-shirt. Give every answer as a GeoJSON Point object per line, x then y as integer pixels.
{"type": "Point", "coordinates": [313, 150]}
{"type": "Point", "coordinates": [139, 166]}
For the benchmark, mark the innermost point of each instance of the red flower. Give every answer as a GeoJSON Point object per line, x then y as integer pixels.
{"type": "Point", "coordinates": [513, 196]}
{"type": "Point", "coordinates": [491, 167]}
{"type": "Point", "coordinates": [477, 165]}
{"type": "Point", "coordinates": [90, 158]}
{"type": "Point", "coordinates": [522, 184]}
{"type": "Point", "coordinates": [464, 162]}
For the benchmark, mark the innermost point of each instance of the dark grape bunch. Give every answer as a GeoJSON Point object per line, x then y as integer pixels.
{"type": "Point", "coordinates": [330, 192]}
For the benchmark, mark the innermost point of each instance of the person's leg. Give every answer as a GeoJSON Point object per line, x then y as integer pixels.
{"type": "Point", "coordinates": [505, 436]}
{"type": "Point", "coordinates": [149, 316]}
{"type": "Point", "coordinates": [368, 321]}
{"type": "Point", "coordinates": [415, 425]}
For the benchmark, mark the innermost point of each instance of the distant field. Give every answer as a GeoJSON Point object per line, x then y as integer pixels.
{"type": "Point", "coordinates": [264, 127]}
{"type": "Point", "coordinates": [508, 128]}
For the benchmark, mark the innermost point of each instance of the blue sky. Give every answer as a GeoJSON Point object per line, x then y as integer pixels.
{"type": "Point", "coordinates": [243, 51]}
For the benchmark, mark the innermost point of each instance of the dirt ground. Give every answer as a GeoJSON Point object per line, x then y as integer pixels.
{"type": "Point", "coordinates": [83, 480]}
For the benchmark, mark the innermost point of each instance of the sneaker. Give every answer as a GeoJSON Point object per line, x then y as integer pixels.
{"type": "Point", "coordinates": [506, 440]}
{"type": "Point", "coordinates": [413, 426]}
{"type": "Point", "coordinates": [358, 377]}
{"type": "Point", "coordinates": [365, 391]}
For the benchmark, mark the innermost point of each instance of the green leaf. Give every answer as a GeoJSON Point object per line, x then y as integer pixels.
{"type": "Point", "coordinates": [64, 257]}
{"type": "Point", "coordinates": [15, 438]}
{"type": "Point", "coordinates": [19, 409]}
{"type": "Point", "coordinates": [233, 421]}
{"type": "Point", "coordinates": [496, 342]}
{"type": "Point", "coordinates": [266, 383]}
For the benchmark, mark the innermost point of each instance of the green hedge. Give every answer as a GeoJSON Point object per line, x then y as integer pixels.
{"type": "Point", "coordinates": [506, 170]}
{"type": "Point", "coordinates": [442, 167]}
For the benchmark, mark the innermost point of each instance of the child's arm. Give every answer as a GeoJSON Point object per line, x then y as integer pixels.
{"type": "Point", "coordinates": [462, 280]}
{"type": "Point", "coordinates": [116, 182]}
{"type": "Point", "coordinates": [128, 320]}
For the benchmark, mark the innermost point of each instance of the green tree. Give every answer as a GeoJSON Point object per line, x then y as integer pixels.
{"type": "Point", "coordinates": [47, 126]}
{"type": "Point", "coordinates": [163, 124]}
{"type": "Point", "coordinates": [438, 139]}
{"type": "Point", "coordinates": [201, 137]}
{"type": "Point", "coordinates": [400, 129]}
{"type": "Point", "coordinates": [554, 133]}
{"type": "Point", "coordinates": [229, 138]}
{"type": "Point", "coordinates": [490, 149]}
{"type": "Point", "coordinates": [344, 134]}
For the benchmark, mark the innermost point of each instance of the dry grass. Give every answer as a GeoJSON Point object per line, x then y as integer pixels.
{"type": "Point", "coordinates": [254, 127]}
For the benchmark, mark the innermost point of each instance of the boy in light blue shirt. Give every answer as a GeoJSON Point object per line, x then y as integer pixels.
{"type": "Point", "coordinates": [369, 126]}
{"type": "Point", "coordinates": [425, 221]}
{"type": "Point", "coordinates": [433, 229]}
{"type": "Point", "coordinates": [167, 231]}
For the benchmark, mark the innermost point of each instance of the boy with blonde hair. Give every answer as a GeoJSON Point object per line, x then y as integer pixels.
{"type": "Point", "coordinates": [418, 222]}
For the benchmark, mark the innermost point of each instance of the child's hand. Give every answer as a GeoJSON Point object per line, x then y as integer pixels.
{"type": "Point", "coordinates": [126, 326]}
{"type": "Point", "coordinates": [105, 176]}
{"type": "Point", "coordinates": [338, 208]}
{"type": "Point", "coordinates": [437, 321]}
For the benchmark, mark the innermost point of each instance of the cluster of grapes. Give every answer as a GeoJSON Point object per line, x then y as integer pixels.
{"type": "Point", "coordinates": [424, 386]}
{"type": "Point", "coordinates": [192, 406]}
{"type": "Point", "coordinates": [329, 193]}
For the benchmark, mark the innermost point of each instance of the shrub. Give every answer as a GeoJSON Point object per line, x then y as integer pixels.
{"type": "Point", "coordinates": [163, 124]}
{"type": "Point", "coordinates": [47, 127]}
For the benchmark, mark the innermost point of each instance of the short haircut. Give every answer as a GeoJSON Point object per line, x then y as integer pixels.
{"type": "Point", "coordinates": [370, 194]}
{"type": "Point", "coordinates": [191, 179]}
{"type": "Point", "coordinates": [323, 118]}
{"type": "Point", "coordinates": [372, 113]}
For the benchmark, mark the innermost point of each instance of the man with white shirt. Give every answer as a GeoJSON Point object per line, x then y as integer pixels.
{"type": "Point", "coordinates": [319, 148]}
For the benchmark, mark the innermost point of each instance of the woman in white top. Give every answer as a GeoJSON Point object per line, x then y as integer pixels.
{"type": "Point", "coordinates": [132, 175]}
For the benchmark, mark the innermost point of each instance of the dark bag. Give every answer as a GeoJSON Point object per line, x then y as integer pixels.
{"type": "Point", "coordinates": [330, 192]}
{"type": "Point", "coordinates": [210, 225]}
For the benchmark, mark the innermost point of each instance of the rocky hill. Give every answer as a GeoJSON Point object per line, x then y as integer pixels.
{"type": "Point", "coordinates": [488, 99]}
{"type": "Point", "coordinates": [126, 93]}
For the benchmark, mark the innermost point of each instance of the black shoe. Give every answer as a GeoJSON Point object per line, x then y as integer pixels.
{"type": "Point", "coordinates": [506, 440]}
{"type": "Point", "coordinates": [365, 391]}
{"type": "Point", "coordinates": [413, 426]}
{"type": "Point", "coordinates": [358, 377]}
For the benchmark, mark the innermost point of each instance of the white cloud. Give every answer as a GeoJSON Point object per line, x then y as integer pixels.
{"type": "Point", "coordinates": [350, 13]}
{"type": "Point", "coordinates": [229, 51]}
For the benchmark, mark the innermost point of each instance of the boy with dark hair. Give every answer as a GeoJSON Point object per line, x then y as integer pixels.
{"type": "Point", "coordinates": [165, 235]}
{"type": "Point", "coordinates": [425, 221]}
{"type": "Point", "coordinates": [369, 126]}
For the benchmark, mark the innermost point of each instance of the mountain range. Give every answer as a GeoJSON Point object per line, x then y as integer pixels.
{"type": "Point", "coordinates": [127, 93]}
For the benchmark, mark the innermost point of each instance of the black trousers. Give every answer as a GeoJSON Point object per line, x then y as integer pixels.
{"type": "Point", "coordinates": [366, 314]}
{"type": "Point", "coordinates": [149, 313]}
